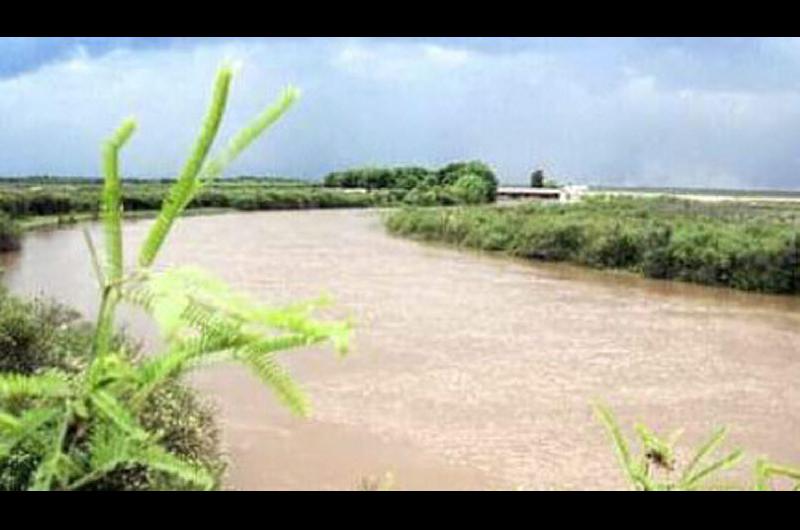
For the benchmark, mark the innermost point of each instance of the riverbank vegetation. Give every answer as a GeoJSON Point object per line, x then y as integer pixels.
{"type": "Point", "coordinates": [53, 197]}
{"type": "Point", "coordinates": [34, 202]}
{"type": "Point", "coordinates": [411, 177]}
{"type": "Point", "coordinates": [10, 233]}
{"type": "Point", "coordinates": [457, 183]}
{"type": "Point", "coordinates": [754, 247]}
{"type": "Point", "coordinates": [77, 428]}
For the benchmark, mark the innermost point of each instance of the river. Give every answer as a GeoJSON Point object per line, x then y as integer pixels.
{"type": "Point", "coordinates": [467, 371]}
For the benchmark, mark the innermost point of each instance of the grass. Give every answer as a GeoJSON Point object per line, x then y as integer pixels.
{"type": "Point", "coordinates": [52, 197]}
{"type": "Point", "coordinates": [40, 202]}
{"type": "Point", "coordinates": [753, 247]}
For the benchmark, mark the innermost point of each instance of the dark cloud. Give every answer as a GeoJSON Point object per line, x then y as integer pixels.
{"type": "Point", "coordinates": [706, 112]}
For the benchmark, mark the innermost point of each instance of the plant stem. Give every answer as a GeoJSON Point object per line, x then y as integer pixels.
{"type": "Point", "coordinates": [105, 322]}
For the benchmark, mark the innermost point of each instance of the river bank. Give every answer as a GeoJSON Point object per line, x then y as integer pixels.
{"type": "Point", "coordinates": [468, 370]}
{"type": "Point", "coordinates": [747, 246]}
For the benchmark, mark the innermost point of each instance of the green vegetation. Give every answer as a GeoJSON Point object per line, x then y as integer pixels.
{"type": "Point", "coordinates": [33, 199]}
{"type": "Point", "coordinates": [753, 247]}
{"type": "Point", "coordinates": [10, 233]}
{"type": "Point", "coordinates": [655, 467]}
{"type": "Point", "coordinates": [33, 202]}
{"type": "Point", "coordinates": [456, 183]}
{"type": "Point", "coordinates": [41, 336]}
{"type": "Point", "coordinates": [77, 428]}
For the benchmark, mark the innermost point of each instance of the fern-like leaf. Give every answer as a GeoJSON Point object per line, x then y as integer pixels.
{"type": "Point", "coordinates": [723, 463]}
{"type": "Point", "coordinates": [55, 465]}
{"type": "Point", "coordinates": [112, 198]}
{"type": "Point", "coordinates": [765, 470]}
{"type": "Point", "coordinates": [111, 449]}
{"type": "Point", "coordinates": [15, 429]}
{"type": "Point", "coordinates": [278, 380]}
{"type": "Point", "coordinates": [249, 134]}
{"type": "Point", "coordinates": [610, 423]}
{"type": "Point", "coordinates": [704, 450]}
{"type": "Point", "coordinates": [118, 414]}
{"type": "Point", "coordinates": [181, 193]}
{"type": "Point", "coordinates": [155, 457]}
{"type": "Point", "coordinates": [47, 385]}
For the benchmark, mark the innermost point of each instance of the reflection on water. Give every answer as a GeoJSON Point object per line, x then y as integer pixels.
{"type": "Point", "coordinates": [468, 370]}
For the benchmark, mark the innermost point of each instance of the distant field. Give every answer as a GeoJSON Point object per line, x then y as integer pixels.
{"type": "Point", "coordinates": [229, 181]}
{"type": "Point", "coordinates": [39, 201]}
{"type": "Point", "coordinates": [46, 200]}
{"type": "Point", "coordinates": [709, 193]}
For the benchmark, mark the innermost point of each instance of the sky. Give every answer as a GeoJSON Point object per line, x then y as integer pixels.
{"type": "Point", "coordinates": [707, 112]}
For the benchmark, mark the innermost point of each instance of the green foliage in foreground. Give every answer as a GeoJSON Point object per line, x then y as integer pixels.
{"type": "Point", "coordinates": [40, 336]}
{"type": "Point", "coordinates": [749, 247]}
{"type": "Point", "coordinates": [78, 428]}
{"type": "Point", "coordinates": [655, 467]}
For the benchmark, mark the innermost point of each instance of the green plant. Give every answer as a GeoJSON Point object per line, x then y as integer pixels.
{"type": "Point", "coordinates": [767, 471]}
{"type": "Point", "coordinates": [747, 247]}
{"type": "Point", "coordinates": [654, 469]}
{"type": "Point", "coordinates": [10, 233]}
{"type": "Point", "coordinates": [40, 335]}
{"type": "Point", "coordinates": [423, 187]}
{"type": "Point", "coordinates": [471, 189]}
{"type": "Point", "coordinates": [81, 427]}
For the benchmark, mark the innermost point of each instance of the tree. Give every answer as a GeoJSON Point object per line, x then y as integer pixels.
{"type": "Point", "coordinates": [537, 179]}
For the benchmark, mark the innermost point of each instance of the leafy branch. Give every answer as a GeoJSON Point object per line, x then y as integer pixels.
{"type": "Point", "coordinates": [82, 427]}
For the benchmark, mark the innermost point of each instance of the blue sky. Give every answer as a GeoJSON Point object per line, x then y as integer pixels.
{"type": "Point", "coordinates": [630, 111]}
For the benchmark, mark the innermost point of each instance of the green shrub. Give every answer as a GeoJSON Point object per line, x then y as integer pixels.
{"type": "Point", "coordinates": [739, 246]}
{"type": "Point", "coordinates": [425, 187]}
{"type": "Point", "coordinates": [38, 335]}
{"type": "Point", "coordinates": [471, 189]}
{"type": "Point", "coordinates": [10, 234]}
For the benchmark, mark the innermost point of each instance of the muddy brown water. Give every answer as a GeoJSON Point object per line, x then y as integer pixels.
{"type": "Point", "coordinates": [467, 371]}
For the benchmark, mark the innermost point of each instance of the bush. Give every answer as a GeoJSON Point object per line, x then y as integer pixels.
{"type": "Point", "coordinates": [452, 172]}
{"type": "Point", "coordinates": [39, 335]}
{"type": "Point", "coordinates": [10, 234]}
{"type": "Point", "coordinates": [739, 246]}
{"type": "Point", "coordinates": [424, 187]}
{"type": "Point", "coordinates": [471, 189]}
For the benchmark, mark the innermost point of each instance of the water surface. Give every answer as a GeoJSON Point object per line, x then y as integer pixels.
{"type": "Point", "coordinates": [467, 371]}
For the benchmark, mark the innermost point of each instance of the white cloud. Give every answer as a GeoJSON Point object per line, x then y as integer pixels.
{"type": "Point", "coordinates": [397, 61]}
{"type": "Point", "coordinates": [446, 56]}
{"type": "Point", "coordinates": [598, 116]}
